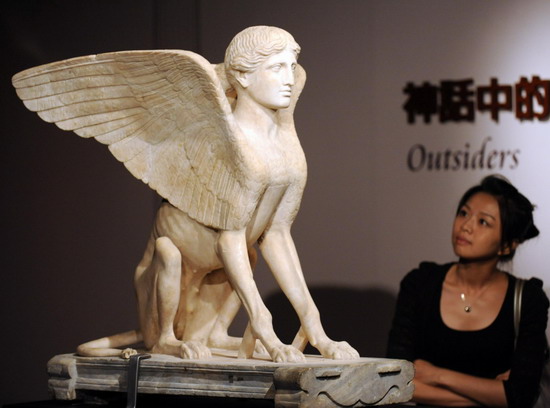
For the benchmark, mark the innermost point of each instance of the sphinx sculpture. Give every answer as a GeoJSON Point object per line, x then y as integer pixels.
{"type": "Point", "coordinates": [218, 143]}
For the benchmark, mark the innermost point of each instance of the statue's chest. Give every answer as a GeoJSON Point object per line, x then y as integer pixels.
{"type": "Point", "coordinates": [281, 163]}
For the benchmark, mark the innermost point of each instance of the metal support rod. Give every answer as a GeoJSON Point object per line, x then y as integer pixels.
{"type": "Point", "coordinates": [133, 378]}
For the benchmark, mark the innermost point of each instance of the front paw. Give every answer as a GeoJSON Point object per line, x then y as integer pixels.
{"type": "Point", "coordinates": [287, 354]}
{"type": "Point", "coordinates": [338, 350]}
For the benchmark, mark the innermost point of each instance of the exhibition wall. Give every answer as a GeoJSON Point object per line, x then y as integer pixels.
{"type": "Point", "coordinates": [389, 120]}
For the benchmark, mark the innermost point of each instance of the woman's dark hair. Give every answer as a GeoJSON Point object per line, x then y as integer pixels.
{"type": "Point", "coordinates": [516, 211]}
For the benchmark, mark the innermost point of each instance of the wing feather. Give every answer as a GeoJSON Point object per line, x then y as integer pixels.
{"type": "Point", "coordinates": [164, 114]}
{"type": "Point", "coordinates": [114, 130]}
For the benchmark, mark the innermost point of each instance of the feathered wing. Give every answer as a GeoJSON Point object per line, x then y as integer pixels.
{"type": "Point", "coordinates": [162, 113]}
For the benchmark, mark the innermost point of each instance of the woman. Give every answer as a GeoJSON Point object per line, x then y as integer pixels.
{"type": "Point", "coordinates": [455, 321]}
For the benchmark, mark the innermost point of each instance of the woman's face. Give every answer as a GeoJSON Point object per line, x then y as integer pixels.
{"type": "Point", "coordinates": [270, 85]}
{"type": "Point", "coordinates": [477, 230]}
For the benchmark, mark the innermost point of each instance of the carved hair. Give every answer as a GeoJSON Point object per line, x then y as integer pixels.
{"type": "Point", "coordinates": [254, 45]}
{"type": "Point", "coordinates": [516, 211]}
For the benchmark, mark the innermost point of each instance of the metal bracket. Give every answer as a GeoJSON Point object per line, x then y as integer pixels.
{"type": "Point", "coordinates": [133, 378]}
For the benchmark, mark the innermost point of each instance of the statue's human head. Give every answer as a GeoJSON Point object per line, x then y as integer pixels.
{"type": "Point", "coordinates": [254, 45]}
{"type": "Point", "coordinates": [516, 212]}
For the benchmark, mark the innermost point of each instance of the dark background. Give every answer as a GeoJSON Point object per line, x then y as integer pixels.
{"type": "Point", "coordinates": [75, 222]}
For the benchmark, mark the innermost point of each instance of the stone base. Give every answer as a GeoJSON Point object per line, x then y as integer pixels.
{"type": "Point", "coordinates": [316, 383]}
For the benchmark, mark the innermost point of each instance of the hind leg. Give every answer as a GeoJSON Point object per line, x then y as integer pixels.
{"type": "Point", "coordinates": [219, 337]}
{"type": "Point", "coordinates": [158, 283]}
{"type": "Point", "coordinates": [205, 300]}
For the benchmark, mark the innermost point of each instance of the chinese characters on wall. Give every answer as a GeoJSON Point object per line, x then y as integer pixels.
{"type": "Point", "coordinates": [459, 101]}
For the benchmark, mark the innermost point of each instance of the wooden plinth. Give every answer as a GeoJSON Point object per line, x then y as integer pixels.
{"type": "Point", "coordinates": [316, 383]}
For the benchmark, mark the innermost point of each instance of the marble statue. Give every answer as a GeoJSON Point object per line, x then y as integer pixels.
{"type": "Point", "coordinates": [218, 143]}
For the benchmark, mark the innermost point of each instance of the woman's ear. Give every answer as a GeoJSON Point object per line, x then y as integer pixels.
{"type": "Point", "coordinates": [242, 78]}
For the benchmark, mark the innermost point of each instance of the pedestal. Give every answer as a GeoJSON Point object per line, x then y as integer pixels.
{"type": "Point", "coordinates": [316, 383]}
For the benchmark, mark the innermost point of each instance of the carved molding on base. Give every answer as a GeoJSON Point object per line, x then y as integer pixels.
{"type": "Point", "coordinates": [316, 383]}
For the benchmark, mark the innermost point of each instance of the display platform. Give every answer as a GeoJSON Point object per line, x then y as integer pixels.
{"type": "Point", "coordinates": [118, 400]}
{"type": "Point", "coordinates": [147, 401]}
{"type": "Point", "coordinates": [318, 382]}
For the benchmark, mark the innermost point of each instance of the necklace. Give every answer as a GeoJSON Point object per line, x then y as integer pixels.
{"type": "Point", "coordinates": [467, 303]}
{"type": "Point", "coordinates": [467, 307]}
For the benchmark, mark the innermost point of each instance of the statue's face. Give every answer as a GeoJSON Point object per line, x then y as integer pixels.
{"type": "Point", "coordinates": [270, 85]}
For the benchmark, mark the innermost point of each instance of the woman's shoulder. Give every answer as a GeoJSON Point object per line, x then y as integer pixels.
{"type": "Point", "coordinates": [426, 274]}
{"type": "Point", "coordinates": [533, 297]}
{"type": "Point", "coordinates": [534, 291]}
{"type": "Point", "coordinates": [428, 270]}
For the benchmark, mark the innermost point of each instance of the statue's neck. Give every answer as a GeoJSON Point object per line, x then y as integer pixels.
{"type": "Point", "coordinates": [256, 120]}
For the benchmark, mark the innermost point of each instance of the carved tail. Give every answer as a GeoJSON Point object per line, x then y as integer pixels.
{"type": "Point", "coordinates": [107, 346]}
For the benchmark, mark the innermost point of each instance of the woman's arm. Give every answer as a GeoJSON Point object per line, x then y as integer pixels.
{"type": "Point", "coordinates": [475, 390]}
{"type": "Point", "coordinates": [428, 394]}
{"type": "Point", "coordinates": [529, 356]}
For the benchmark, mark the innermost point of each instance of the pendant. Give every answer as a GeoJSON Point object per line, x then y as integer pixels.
{"type": "Point", "coordinates": [467, 308]}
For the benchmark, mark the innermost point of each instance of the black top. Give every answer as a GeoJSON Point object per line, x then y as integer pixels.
{"type": "Point", "coordinates": [418, 332]}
